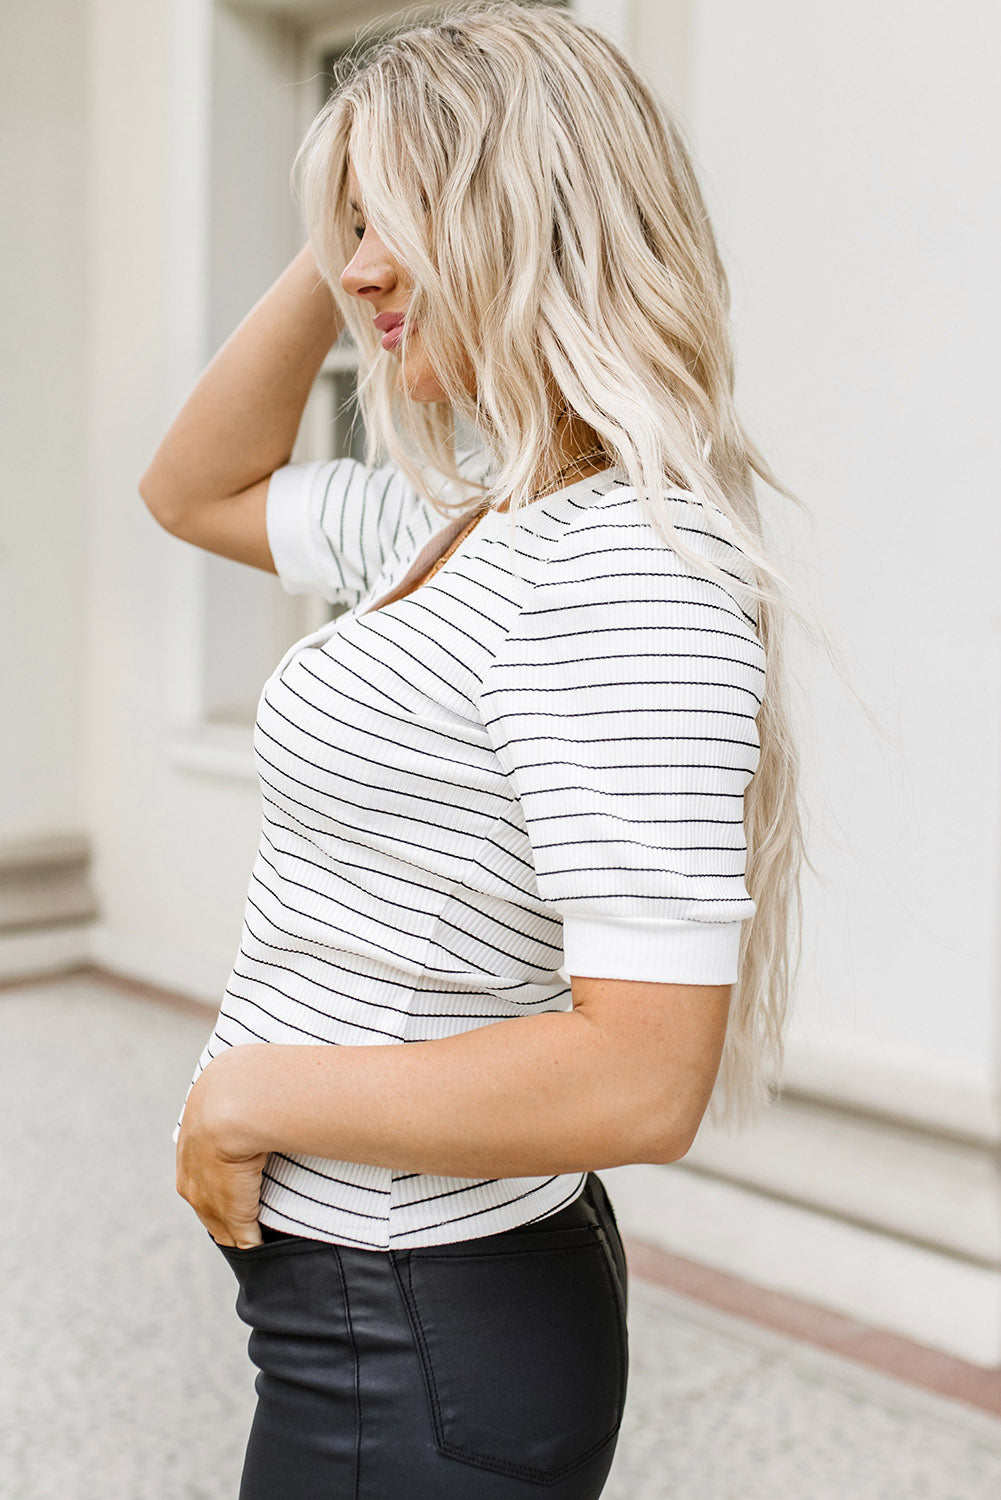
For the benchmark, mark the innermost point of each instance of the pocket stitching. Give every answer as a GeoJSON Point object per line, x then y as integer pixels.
{"type": "Point", "coordinates": [417, 1328]}
{"type": "Point", "coordinates": [618, 1292]}
{"type": "Point", "coordinates": [485, 1461]}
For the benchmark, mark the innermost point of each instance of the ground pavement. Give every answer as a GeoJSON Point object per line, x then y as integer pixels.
{"type": "Point", "coordinates": [124, 1373]}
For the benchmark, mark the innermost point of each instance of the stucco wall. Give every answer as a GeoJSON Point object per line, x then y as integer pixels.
{"type": "Point", "coordinates": [43, 265]}
{"type": "Point", "coordinates": [850, 153]}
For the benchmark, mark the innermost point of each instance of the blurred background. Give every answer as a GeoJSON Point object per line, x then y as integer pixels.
{"type": "Point", "coordinates": [850, 158]}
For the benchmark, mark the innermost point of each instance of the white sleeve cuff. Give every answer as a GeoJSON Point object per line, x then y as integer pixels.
{"type": "Point", "coordinates": [288, 519]}
{"type": "Point", "coordinates": [651, 949]}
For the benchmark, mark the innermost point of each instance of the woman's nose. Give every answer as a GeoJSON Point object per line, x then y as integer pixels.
{"type": "Point", "coordinates": [368, 272]}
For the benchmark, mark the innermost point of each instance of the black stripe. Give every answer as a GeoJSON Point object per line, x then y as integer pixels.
{"type": "Point", "coordinates": [316, 1232]}
{"type": "Point", "coordinates": [406, 1234]}
{"type": "Point", "coordinates": [619, 739]}
{"type": "Point", "coordinates": [353, 1213]}
{"type": "Point", "coordinates": [327, 1177]}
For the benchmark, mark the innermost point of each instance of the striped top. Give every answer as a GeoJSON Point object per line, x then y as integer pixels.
{"type": "Point", "coordinates": [532, 766]}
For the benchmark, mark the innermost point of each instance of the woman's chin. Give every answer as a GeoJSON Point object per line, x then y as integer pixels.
{"type": "Point", "coordinates": [421, 386]}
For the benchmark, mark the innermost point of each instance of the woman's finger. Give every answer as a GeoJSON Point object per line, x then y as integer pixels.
{"type": "Point", "coordinates": [224, 1194]}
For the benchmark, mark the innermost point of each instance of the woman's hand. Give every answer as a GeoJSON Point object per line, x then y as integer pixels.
{"type": "Point", "coordinates": [218, 1171]}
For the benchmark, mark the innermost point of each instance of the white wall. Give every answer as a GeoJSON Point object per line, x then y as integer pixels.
{"type": "Point", "coordinates": [174, 846]}
{"type": "Point", "coordinates": [43, 258]}
{"type": "Point", "coordinates": [851, 156]}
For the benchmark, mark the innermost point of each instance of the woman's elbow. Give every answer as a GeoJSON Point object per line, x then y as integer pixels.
{"type": "Point", "coordinates": [169, 499]}
{"type": "Point", "coordinates": [156, 499]}
{"type": "Point", "coordinates": [668, 1129]}
{"type": "Point", "coordinates": [665, 1146]}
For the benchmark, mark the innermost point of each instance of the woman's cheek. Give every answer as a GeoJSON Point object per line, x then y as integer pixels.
{"type": "Point", "coordinates": [419, 376]}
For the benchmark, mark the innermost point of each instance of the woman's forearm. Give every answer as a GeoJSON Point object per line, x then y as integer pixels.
{"type": "Point", "coordinates": [540, 1094]}
{"type": "Point", "coordinates": [240, 421]}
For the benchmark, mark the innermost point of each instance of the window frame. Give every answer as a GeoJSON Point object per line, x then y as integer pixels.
{"type": "Point", "coordinates": [210, 51]}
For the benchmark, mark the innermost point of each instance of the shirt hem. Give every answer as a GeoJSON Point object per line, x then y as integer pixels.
{"type": "Point", "coordinates": [650, 949]}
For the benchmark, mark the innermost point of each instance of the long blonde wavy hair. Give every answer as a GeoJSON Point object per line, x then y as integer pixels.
{"type": "Point", "coordinates": [546, 208]}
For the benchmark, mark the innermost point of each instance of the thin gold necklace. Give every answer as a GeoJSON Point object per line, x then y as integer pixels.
{"type": "Point", "coordinates": [578, 462]}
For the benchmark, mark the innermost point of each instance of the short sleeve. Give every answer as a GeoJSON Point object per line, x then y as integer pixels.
{"type": "Point", "coordinates": [334, 526]}
{"type": "Point", "coordinates": [622, 706]}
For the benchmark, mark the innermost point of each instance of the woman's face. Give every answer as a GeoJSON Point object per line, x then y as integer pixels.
{"type": "Point", "coordinates": [377, 279]}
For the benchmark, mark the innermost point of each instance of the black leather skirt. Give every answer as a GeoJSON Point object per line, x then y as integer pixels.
{"type": "Point", "coordinates": [487, 1369]}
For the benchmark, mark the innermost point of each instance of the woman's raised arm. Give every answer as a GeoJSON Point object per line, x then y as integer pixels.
{"type": "Point", "coordinates": [208, 480]}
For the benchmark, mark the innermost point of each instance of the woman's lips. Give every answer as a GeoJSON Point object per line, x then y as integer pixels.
{"type": "Point", "coordinates": [390, 325]}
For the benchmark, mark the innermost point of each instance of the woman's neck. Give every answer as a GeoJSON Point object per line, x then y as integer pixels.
{"type": "Point", "coordinates": [575, 439]}
{"type": "Point", "coordinates": [572, 474]}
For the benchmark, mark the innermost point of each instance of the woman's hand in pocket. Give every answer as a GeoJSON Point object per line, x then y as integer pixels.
{"type": "Point", "coordinates": [218, 1171]}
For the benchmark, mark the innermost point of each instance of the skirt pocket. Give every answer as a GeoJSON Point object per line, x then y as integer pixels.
{"type": "Point", "coordinates": [271, 1245]}
{"type": "Point", "coordinates": [523, 1350]}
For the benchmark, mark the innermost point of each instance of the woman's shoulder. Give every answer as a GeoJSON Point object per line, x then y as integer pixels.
{"type": "Point", "coordinates": [608, 500]}
{"type": "Point", "coordinates": [601, 530]}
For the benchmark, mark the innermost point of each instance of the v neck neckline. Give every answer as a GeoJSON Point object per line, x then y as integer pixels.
{"type": "Point", "coordinates": [424, 560]}
{"type": "Point", "coordinates": [443, 539]}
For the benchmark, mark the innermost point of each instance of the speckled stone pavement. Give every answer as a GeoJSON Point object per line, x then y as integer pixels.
{"type": "Point", "coordinates": [124, 1374]}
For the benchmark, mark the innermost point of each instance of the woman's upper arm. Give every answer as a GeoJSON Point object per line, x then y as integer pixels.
{"type": "Point", "coordinates": [326, 527]}
{"type": "Point", "coordinates": [234, 527]}
{"type": "Point", "coordinates": [661, 1046]}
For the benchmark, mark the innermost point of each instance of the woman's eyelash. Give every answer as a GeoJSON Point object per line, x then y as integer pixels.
{"type": "Point", "coordinates": [359, 230]}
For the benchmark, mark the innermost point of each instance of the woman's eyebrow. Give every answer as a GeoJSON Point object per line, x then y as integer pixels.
{"type": "Point", "coordinates": [353, 204]}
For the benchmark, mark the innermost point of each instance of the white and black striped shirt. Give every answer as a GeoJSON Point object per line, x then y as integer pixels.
{"type": "Point", "coordinates": [535, 762]}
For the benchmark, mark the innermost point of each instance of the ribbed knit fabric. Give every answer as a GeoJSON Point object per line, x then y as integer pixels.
{"type": "Point", "coordinates": [536, 760]}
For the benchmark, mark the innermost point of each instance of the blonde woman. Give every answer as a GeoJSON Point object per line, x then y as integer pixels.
{"type": "Point", "coordinates": [544, 737]}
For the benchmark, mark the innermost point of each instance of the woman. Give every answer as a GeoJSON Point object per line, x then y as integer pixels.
{"type": "Point", "coordinates": [545, 732]}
